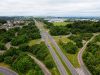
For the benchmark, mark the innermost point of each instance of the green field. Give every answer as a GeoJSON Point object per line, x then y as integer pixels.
{"type": "Point", "coordinates": [1, 74]}
{"type": "Point", "coordinates": [62, 38]}
{"type": "Point", "coordinates": [72, 57]}
{"type": "Point", "coordinates": [61, 23]}
{"type": "Point", "coordinates": [33, 42]}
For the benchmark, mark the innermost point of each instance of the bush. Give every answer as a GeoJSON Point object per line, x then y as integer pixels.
{"type": "Point", "coordinates": [70, 47]}
{"type": "Point", "coordinates": [1, 58]}
{"type": "Point", "coordinates": [2, 46]}
{"type": "Point", "coordinates": [23, 63]}
{"type": "Point", "coordinates": [24, 47]}
{"type": "Point", "coordinates": [8, 60]}
{"type": "Point", "coordinates": [92, 58]}
{"type": "Point", "coordinates": [19, 40]}
{"type": "Point", "coordinates": [77, 39]}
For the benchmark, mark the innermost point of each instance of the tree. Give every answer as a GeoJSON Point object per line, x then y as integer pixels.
{"type": "Point", "coordinates": [3, 21]}
{"type": "Point", "coordinates": [91, 57]}
{"type": "Point", "coordinates": [2, 46]}
{"type": "Point", "coordinates": [31, 72]}
{"type": "Point", "coordinates": [1, 58]}
{"type": "Point", "coordinates": [2, 31]}
{"type": "Point", "coordinates": [49, 63]}
{"type": "Point", "coordinates": [70, 47]}
{"type": "Point", "coordinates": [23, 63]}
{"type": "Point", "coordinates": [12, 51]}
{"type": "Point", "coordinates": [8, 60]}
{"type": "Point", "coordinates": [19, 40]}
{"type": "Point", "coordinates": [24, 47]}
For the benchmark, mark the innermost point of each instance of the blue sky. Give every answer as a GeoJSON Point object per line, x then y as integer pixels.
{"type": "Point", "coordinates": [50, 7]}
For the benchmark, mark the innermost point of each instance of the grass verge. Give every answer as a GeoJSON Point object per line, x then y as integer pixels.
{"type": "Point", "coordinates": [71, 57]}
{"type": "Point", "coordinates": [33, 42]}
{"type": "Point", "coordinates": [4, 65]}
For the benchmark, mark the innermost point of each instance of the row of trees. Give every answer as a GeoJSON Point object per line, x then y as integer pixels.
{"type": "Point", "coordinates": [84, 27]}
{"type": "Point", "coordinates": [76, 27]}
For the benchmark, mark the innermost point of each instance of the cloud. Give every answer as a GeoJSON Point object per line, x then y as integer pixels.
{"type": "Point", "coordinates": [50, 7]}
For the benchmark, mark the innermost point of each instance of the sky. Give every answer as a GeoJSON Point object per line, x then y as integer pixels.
{"type": "Point", "coordinates": [49, 7]}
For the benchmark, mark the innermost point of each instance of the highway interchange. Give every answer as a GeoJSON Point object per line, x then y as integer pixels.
{"type": "Point", "coordinates": [47, 37]}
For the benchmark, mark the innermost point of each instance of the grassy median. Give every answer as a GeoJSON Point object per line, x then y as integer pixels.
{"type": "Point", "coordinates": [69, 73]}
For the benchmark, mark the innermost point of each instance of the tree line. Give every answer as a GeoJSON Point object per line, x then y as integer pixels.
{"type": "Point", "coordinates": [75, 27]}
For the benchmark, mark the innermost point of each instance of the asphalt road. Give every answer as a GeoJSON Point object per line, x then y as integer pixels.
{"type": "Point", "coordinates": [64, 58]}
{"type": "Point", "coordinates": [7, 71]}
{"type": "Point", "coordinates": [80, 60]}
{"type": "Point", "coordinates": [57, 61]}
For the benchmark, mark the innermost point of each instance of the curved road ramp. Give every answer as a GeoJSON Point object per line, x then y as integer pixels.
{"type": "Point", "coordinates": [83, 69]}
{"type": "Point", "coordinates": [6, 71]}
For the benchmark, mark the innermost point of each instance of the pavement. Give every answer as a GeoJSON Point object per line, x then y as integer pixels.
{"type": "Point", "coordinates": [56, 59]}
{"type": "Point", "coordinates": [6, 71]}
